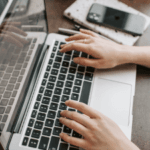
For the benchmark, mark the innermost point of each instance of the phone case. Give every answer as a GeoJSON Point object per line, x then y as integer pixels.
{"type": "Point", "coordinates": [78, 12]}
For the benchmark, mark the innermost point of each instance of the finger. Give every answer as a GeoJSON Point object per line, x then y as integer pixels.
{"type": "Point", "coordinates": [78, 37]}
{"type": "Point", "coordinates": [75, 126]}
{"type": "Point", "coordinates": [74, 141]}
{"type": "Point", "coordinates": [9, 39]}
{"type": "Point", "coordinates": [88, 32]}
{"type": "Point", "coordinates": [87, 62]}
{"type": "Point", "coordinates": [77, 117]}
{"type": "Point", "coordinates": [14, 29]}
{"type": "Point", "coordinates": [78, 47]}
{"type": "Point", "coordinates": [85, 109]}
{"type": "Point", "coordinates": [23, 41]}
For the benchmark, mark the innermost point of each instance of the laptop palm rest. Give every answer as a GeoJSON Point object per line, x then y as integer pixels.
{"type": "Point", "coordinates": [113, 99]}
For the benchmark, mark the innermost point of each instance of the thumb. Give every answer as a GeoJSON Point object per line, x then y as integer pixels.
{"type": "Point", "coordinates": [86, 62]}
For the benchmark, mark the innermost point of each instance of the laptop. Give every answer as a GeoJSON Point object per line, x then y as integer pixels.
{"type": "Point", "coordinates": [35, 82]}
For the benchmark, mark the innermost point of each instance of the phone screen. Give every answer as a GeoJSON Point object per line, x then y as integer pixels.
{"type": "Point", "coordinates": [117, 19]}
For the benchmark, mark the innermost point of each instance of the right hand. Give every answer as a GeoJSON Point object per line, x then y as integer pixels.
{"type": "Point", "coordinates": [6, 33]}
{"type": "Point", "coordinates": [108, 54]}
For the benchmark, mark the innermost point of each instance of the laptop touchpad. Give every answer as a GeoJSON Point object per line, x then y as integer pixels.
{"type": "Point", "coordinates": [112, 99]}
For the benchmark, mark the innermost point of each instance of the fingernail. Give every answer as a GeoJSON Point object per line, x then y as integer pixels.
{"type": "Point", "coordinates": [76, 60]}
{"type": "Point", "coordinates": [60, 119]}
{"type": "Point", "coordinates": [62, 45]}
{"type": "Point", "coordinates": [66, 102]}
{"type": "Point", "coordinates": [61, 112]}
{"type": "Point", "coordinates": [60, 134]}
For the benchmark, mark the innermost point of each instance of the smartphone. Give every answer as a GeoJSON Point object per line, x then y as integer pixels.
{"type": "Point", "coordinates": [116, 19]}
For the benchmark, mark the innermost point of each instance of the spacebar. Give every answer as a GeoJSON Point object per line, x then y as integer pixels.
{"type": "Point", "coordinates": [85, 92]}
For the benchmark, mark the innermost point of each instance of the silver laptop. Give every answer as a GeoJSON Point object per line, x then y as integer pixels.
{"type": "Point", "coordinates": [35, 82]}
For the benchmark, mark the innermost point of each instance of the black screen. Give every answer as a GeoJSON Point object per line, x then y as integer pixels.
{"type": "Point", "coordinates": [2, 5]}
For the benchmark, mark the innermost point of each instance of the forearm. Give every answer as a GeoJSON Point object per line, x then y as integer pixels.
{"type": "Point", "coordinates": [136, 55]}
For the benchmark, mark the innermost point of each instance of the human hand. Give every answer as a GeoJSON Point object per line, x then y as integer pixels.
{"type": "Point", "coordinates": [6, 34]}
{"type": "Point", "coordinates": [98, 131]}
{"type": "Point", "coordinates": [108, 54]}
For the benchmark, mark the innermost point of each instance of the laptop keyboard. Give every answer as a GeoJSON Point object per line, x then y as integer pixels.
{"type": "Point", "coordinates": [62, 80]}
{"type": "Point", "coordinates": [13, 64]}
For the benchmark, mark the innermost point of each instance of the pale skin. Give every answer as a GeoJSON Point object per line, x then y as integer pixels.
{"type": "Point", "coordinates": [98, 131]}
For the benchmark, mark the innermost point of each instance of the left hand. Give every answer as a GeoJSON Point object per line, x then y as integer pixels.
{"type": "Point", "coordinates": [99, 132]}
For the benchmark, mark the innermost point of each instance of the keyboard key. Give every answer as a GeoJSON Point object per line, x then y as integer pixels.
{"type": "Point", "coordinates": [4, 102]}
{"type": "Point", "coordinates": [46, 75]}
{"type": "Point", "coordinates": [84, 55]}
{"type": "Point", "coordinates": [54, 143]}
{"type": "Point", "coordinates": [43, 143]}
{"type": "Point", "coordinates": [91, 57]}
{"type": "Point", "coordinates": [50, 62]}
{"type": "Point", "coordinates": [65, 64]}
{"type": "Point", "coordinates": [73, 64]}
{"type": "Point", "coordinates": [7, 110]}
{"type": "Point", "coordinates": [69, 84]}
{"type": "Point", "coordinates": [72, 70]}
{"type": "Point", "coordinates": [72, 148]}
{"type": "Point", "coordinates": [56, 98]}
{"type": "Point", "coordinates": [31, 122]}
{"type": "Point", "coordinates": [89, 76]}
{"type": "Point", "coordinates": [79, 76]}
{"type": "Point", "coordinates": [54, 49]}
{"type": "Point", "coordinates": [54, 72]}
{"type": "Point", "coordinates": [50, 85]}
{"type": "Point", "coordinates": [41, 116]}
{"type": "Point", "coordinates": [69, 53]}
{"type": "Point", "coordinates": [46, 131]}
{"type": "Point", "coordinates": [56, 65]}
{"type": "Point", "coordinates": [39, 97]}
{"type": "Point", "coordinates": [52, 55]}
{"type": "Point", "coordinates": [43, 108]}
{"type": "Point", "coordinates": [53, 106]}
{"type": "Point", "coordinates": [36, 134]}
{"type": "Point", "coordinates": [57, 123]}
{"type": "Point", "coordinates": [90, 69]}
{"type": "Point", "coordinates": [77, 135]}
{"type": "Point", "coordinates": [85, 92]}
{"type": "Point", "coordinates": [70, 77]}
{"type": "Point", "coordinates": [70, 109]}
{"type": "Point", "coordinates": [76, 53]}
{"type": "Point", "coordinates": [58, 91]}
{"type": "Point", "coordinates": [67, 91]}
{"type": "Point", "coordinates": [81, 68]}
{"type": "Point", "coordinates": [75, 97]}
{"type": "Point", "coordinates": [28, 132]}
{"type": "Point", "coordinates": [76, 89]}
{"type": "Point", "coordinates": [58, 59]}
{"type": "Point", "coordinates": [63, 146]}
{"type": "Point", "coordinates": [51, 114]}
{"type": "Point", "coordinates": [34, 112]}
{"type": "Point", "coordinates": [56, 43]}
{"type": "Point", "coordinates": [4, 118]}
{"type": "Point", "coordinates": [78, 82]}
{"type": "Point", "coordinates": [34, 40]}
{"type": "Point", "coordinates": [48, 93]}
{"type": "Point", "coordinates": [62, 77]}
{"type": "Point", "coordinates": [49, 123]}
{"type": "Point", "coordinates": [62, 106]}
{"type": "Point", "coordinates": [46, 100]}
{"type": "Point", "coordinates": [48, 68]}
{"type": "Point", "coordinates": [62, 43]}
{"type": "Point", "coordinates": [64, 98]}
{"type": "Point", "coordinates": [67, 130]}
{"type": "Point", "coordinates": [63, 70]}
{"type": "Point", "coordinates": [60, 84]}
{"type": "Point", "coordinates": [2, 127]}
{"type": "Point", "coordinates": [25, 141]}
{"type": "Point", "coordinates": [58, 114]}
{"type": "Point", "coordinates": [33, 143]}
{"type": "Point", "coordinates": [41, 90]}
{"type": "Point", "coordinates": [52, 78]}
{"type": "Point", "coordinates": [67, 57]}
{"type": "Point", "coordinates": [56, 131]}
{"type": "Point", "coordinates": [44, 82]}
{"type": "Point", "coordinates": [59, 53]}
{"type": "Point", "coordinates": [38, 125]}
{"type": "Point", "coordinates": [36, 106]}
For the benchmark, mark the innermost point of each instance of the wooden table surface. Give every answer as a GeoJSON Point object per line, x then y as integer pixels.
{"type": "Point", "coordinates": [141, 110]}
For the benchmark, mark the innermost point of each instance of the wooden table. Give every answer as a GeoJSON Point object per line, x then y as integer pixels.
{"type": "Point", "coordinates": [141, 110]}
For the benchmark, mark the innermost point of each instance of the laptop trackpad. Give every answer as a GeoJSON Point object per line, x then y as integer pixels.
{"type": "Point", "coordinates": [112, 99]}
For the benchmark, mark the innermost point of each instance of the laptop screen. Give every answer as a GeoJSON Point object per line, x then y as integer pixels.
{"type": "Point", "coordinates": [3, 4]}
{"type": "Point", "coordinates": [22, 35]}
